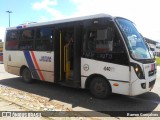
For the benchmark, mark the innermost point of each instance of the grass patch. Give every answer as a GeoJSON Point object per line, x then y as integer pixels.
{"type": "Point", "coordinates": [158, 60]}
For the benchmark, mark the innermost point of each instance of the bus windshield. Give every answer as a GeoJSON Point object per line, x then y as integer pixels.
{"type": "Point", "coordinates": [135, 41]}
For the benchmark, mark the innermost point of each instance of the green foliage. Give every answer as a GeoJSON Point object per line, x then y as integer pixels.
{"type": "Point", "coordinates": [158, 60]}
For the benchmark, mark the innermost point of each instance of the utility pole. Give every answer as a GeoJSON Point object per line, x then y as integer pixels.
{"type": "Point", "coordinates": [9, 12]}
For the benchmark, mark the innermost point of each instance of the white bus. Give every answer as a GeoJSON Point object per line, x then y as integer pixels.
{"type": "Point", "coordinates": [101, 53]}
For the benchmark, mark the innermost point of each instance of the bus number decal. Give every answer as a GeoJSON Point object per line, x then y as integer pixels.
{"type": "Point", "coordinates": [111, 69]}
{"type": "Point", "coordinates": [45, 59]}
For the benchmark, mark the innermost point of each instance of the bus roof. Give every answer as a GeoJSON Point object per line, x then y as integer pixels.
{"type": "Point", "coordinates": [63, 21]}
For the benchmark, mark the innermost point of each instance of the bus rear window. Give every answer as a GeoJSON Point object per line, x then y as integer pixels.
{"type": "Point", "coordinates": [12, 40]}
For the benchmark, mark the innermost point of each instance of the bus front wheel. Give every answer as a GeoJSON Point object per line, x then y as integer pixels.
{"type": "Point", "coordinates": [26, 75]}
{"type": "Point", "coordinates": [100, 87]}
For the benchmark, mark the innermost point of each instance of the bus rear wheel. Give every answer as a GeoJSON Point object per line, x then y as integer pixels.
{"type": "Point", "coordinates": [26, 75]}
{"type": "Point", "coordinates": [100, 87]}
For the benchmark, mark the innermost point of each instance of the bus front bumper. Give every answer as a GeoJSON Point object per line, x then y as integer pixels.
{"type": "Point", "coordinates": [142, 86]}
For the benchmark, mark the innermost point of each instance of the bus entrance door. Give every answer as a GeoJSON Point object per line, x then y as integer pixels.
{"type": "Point", "coordinates": [66, 53]}
{"type": "Point", "coordinates": [67, 62]}
{"type": "Point", "coordinates": [67, 56]}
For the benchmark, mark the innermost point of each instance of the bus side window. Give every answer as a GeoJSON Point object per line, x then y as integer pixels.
{"type": "Point", "coordinates": [28, 34]}
{"type": "Point", "coordinates": [99, 40]}
{"type": "Point", "coordinates": [12, 40]}
{"type": "Point", "coordinates": [26, 39]}
{"type": "Point", "coordinates": [44, 39]}
{"type": "Point", "coordinates": [91, 40]}
{"type": "Point", "coordinates": [104, 40]}
{"type": "Point", "coordinates": [117, 43]}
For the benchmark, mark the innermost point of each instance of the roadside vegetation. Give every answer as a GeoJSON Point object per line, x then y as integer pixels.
{"type": "Point", "coordinates": [158, 60]}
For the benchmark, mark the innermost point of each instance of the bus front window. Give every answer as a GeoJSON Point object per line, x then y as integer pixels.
{"type": "Point", "coordinates": [134, 40]}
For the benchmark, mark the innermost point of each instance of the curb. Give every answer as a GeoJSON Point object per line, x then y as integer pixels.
{"type": "Point", "coordinates": [78, 112]}
{"type": "Point", "coordinates": [47, 118]}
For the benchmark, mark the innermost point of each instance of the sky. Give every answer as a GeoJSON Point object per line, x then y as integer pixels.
{"type": "Point", "coordinates": [144, 13]}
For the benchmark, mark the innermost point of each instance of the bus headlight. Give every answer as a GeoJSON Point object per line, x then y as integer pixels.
{"type": "Point", "coordinates": [138, 71]}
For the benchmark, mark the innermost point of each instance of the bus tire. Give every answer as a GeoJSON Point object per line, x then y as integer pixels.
{"type": "Point", "coordinates": [100, 87]}
{"type": "Point", "coordinates": [26, 75]}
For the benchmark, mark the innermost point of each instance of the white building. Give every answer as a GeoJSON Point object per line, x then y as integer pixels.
{"type": "Point", "coordinates": [154, 46]}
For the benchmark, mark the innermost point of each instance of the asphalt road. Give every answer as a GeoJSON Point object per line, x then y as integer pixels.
{"type": "Point", "coordinates": [82, 98]}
